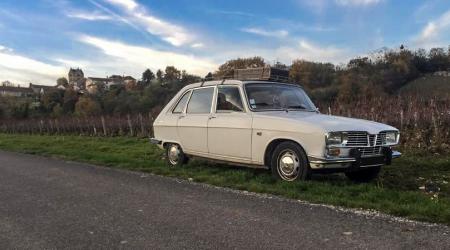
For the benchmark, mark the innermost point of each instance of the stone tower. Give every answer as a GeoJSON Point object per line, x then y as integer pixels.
{"type": "Point", "coordinates": [76, 78]}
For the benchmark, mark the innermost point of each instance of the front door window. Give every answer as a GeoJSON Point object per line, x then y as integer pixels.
{"type": "Point", "coordinates": [229, 99]}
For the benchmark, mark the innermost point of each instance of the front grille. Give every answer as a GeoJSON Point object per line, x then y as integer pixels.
{"type": "Point", "coordinates": [363, 139]}
{"type": "Point", "coordinates": [356, 139]}
{"type": "Point", "coordinates": [371, 140]}
{"type": "Point", "coordinates": [367, 144]}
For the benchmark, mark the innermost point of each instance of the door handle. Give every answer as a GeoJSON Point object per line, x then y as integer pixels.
{"type": "Point", "coordinates": [181, 117]}
{"type": "Point", "coordinates": [212, 117]}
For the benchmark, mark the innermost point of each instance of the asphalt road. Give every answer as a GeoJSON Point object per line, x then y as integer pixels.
{"type": "Point", "coordinates": [49, 203]}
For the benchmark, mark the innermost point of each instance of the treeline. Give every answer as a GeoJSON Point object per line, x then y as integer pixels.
{"type": "Point", "coordinates": [380, 74]}
{"type": "Point", "coordinates": [150, 94]}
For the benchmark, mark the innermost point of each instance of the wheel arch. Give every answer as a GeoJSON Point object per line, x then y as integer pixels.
{"type": "Point", "coordinates": [273, 144]}
{"type": "Point", "coordinates": [165, 143]}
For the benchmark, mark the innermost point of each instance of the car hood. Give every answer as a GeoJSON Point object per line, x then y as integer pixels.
{"type": "Point", "coordinates": [328, 123]}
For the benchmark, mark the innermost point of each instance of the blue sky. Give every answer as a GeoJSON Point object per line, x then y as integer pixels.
{"type": "Point", "coordinates": [41, 39]}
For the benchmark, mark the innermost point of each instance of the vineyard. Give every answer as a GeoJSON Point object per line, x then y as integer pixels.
{"type": "Point", "coordinates": [424, 123]}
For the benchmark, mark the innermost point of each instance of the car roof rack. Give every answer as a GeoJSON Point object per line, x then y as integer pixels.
{"type": "Point", "coordinates": [262, 74]}
{"type": "Point", "coordinates": [253, 74]}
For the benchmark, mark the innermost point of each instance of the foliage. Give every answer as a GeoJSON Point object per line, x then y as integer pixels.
{"type": "Point", "coordinates": [147, 77]}
{"type": "Point", "coordinates": [62, 81]}
{"type": "Point", "coordinates": [227, 68]}
{"type": "Point", "coordinates": [86, 106]}
{"type": "Point", "coordinates": [312, 75]}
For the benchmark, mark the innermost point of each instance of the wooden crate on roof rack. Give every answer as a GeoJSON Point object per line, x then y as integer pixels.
{"type": "Point", "coordinates": [263, 73]}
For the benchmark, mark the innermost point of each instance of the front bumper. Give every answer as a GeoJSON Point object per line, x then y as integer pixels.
{"type": "Point", "coordinates": [355, 160]}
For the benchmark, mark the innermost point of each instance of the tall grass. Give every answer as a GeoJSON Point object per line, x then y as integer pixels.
{"type": "Point", "coordinates": [424, 122]}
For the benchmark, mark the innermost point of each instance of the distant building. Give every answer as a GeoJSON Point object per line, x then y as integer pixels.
{"type": "Point", "coordinates": [76, 78]}
{"type": "Point", "coordinates": [15, 91]}
{"type": "Point", "coordinates": [95, 84]}
{"type": "Point", "coordinates": [130, 82]}
{"type": "Point", "coordinates": [41, 89]}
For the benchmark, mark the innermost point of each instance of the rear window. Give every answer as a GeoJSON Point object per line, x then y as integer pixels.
{"type": "Point", "coordinates": [181, 103]}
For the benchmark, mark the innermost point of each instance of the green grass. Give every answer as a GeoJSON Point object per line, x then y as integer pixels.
{"type": "Point", "coordinates": [396, 191]}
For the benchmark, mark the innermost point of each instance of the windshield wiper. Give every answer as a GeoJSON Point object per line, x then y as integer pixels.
{"type": "Point", "coordinates": [295, 107]}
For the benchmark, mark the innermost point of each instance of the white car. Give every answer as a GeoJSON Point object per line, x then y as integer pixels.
{"type": "Point", "coordinates": [267, 124]}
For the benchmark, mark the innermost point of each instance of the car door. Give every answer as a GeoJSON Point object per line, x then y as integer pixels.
{"type": "Point", "coordinates": [166, 124]}
{"type": "Point", "coordinates": [230, 126]}
{"type": "Point", "coordinates": [192, 126]}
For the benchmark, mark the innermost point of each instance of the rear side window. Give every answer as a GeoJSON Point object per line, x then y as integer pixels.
{"type": "Point", "coordinates": [201, 100]}
{"type": "Point", "coordinates": [181, 103]}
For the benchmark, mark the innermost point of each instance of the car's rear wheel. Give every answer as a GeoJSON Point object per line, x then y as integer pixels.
{"type": "Point", "coordinates": [289, 162]}
{"type": "Point", "coordinates": [175, 155]}
{"type": "Point", "coordinates": [364, 175]}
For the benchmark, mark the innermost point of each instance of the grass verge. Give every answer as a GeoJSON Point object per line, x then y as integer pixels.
{"type": "Point", "coordinates": [416, 187]}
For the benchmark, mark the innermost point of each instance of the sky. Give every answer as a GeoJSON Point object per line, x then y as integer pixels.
{"type": "Point", "coordinates": [41, 39]}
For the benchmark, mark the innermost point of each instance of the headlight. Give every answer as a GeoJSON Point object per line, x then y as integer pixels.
{"type": "Point", "coordinates": [336, 138]}
{"type": "Point", "coordinates": [392, 137]}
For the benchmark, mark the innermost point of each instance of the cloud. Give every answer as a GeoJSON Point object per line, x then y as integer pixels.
{"type": "Point", "coordinates": [5, 49]}
{"type": "Point", "coordinates": [90, 16]}
{"type": "Point", "coordinates": [197, 45]}
{"type": "Point", "coordinates": [309, 51]}
{"type": "Point", "coordinates": [128, 4]}
{"type": "Point", "coordinates": [233, 13]}
{"type": "Point", "coordinates": [293, 49]}
{"type": "Point", "coordinates": [142, 57]}
{"type": "Point", "coordinates": [117, 17]}
{"type": "Point", "coordinates": [431, 34]}
{"type": "Point", "coordinates": [268, 33]}
{"type": "Point", "coordinates": [321, 6]}
{"type": "Point", "coordinates": [174, 34]}
{"type": "Point", "coordinates": [357, 2]}
{"type": "Point", "coordinates": [20, 69]}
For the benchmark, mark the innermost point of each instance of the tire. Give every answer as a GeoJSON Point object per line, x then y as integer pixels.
{"type": "Point", "coordinates": [289, 162]}
{"type": "Point", "coordinates": [175, 156]}
{"type": "Point", "coordinates": [364, 175]}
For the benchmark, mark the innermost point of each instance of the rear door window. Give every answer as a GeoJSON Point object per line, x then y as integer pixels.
{"type": "Point", "coordinates": [201, 100]}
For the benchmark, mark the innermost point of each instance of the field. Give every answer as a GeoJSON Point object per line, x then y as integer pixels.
{"type": "Point", "coordinates": [415, 186]}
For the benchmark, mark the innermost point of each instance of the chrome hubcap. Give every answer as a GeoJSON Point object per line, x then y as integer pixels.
{"type": "Point", "coordinates": [288, 165]}
{"type": "Point", "coordinates": [174, 154]}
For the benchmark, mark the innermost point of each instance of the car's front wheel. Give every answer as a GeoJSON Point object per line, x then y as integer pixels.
{"type": "Point", "coordinates": [175, 155]}
{"type": "Point", "coordinates": [364, 175]}
{"type": "Point", "coordinates": [289, 162]}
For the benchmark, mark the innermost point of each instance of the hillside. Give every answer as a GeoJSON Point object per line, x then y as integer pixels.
{"type": "Point", "coordinates": [429, 85]}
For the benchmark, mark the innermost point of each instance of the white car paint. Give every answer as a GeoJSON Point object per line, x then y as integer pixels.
{"type": "Point", "coordinates": [243, 137]}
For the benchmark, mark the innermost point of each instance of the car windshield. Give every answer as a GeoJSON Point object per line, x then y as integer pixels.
{"type": "Point", "coordinates": [273, 96]}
